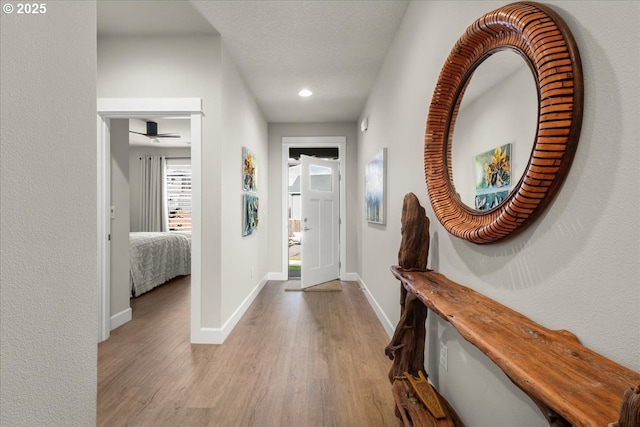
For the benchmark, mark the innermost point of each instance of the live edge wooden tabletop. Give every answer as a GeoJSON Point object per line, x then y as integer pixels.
{"type": "Point", "coordinates": [552, 367]}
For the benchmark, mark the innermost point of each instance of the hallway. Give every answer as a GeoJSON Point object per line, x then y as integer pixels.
{"type": "Point", "coordinates": [294, 359]}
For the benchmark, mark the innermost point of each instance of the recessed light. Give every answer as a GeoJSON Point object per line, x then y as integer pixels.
{"type": "Point", "coordinates": [305, 93]}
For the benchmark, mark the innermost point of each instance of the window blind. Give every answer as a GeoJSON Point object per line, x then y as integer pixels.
{"type": "Point", "coordinates": [178, 190]}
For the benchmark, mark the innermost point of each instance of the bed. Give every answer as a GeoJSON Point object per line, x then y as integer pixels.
{"type": "Point", "coordinates": [157, 258]}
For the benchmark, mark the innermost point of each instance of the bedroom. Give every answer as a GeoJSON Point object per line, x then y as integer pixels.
{"type": "Point", "coordinates": [150, 210]}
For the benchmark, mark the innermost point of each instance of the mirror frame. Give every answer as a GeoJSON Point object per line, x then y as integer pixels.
{"type": "Point", "coordinates": [543, 39]}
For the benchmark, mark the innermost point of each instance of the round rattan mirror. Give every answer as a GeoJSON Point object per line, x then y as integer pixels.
{"type": "Point", "coordinates": [542, 38]}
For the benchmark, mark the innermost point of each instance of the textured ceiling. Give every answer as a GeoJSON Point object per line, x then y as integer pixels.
{"type": "Point", "coordinates": [150, 18]}
{"type": "Point", "coordinates": [334, 48]}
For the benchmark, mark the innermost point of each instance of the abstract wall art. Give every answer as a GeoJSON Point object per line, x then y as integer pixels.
{"type": "Point", "coordinates": [374, 188]}
{"type": "Point", "coordinates": [249, 214]}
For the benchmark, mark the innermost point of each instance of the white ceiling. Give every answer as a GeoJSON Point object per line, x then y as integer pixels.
{"type": "Point", "coordinates": [335, 48]}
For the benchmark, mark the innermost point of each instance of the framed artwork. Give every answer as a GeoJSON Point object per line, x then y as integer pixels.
{"type": "Point", "coordinates": [374, 188]}
{"type": "Point", "coordinates": [249, 170]}
{"type": "Point", "coordinates": [249, 214]}
{"type": "Point", "coordinates": [493, 177]}
{"type": "Point", "coordinates": [487, 201]}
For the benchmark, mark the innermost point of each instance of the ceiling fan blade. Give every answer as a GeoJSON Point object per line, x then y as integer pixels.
{"type": "Point", "coordinates": [152, 132]}
{"type": "Point", "coordinates": [160, 135]}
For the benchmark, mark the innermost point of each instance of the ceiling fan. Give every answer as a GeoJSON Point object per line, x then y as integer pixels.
{"type": "Point", "coordinates": [152, 132]}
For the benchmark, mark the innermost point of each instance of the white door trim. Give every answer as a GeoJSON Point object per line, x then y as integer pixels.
{"type": "Point", "coordinates": [112, 108]}
{"type": "Point", "coordinates": [104, 226]}
{"type": "Point", "coordinates": [313, 141]}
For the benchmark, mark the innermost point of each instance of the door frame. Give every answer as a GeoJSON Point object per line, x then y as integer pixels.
{"type": "Point", "coordinates": [308, 142]}
{"type": "Point", "coordinates": [125, 108]}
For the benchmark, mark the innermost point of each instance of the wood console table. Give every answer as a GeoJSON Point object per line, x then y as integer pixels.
{"type": "Point", "coordinates": [572, 385]}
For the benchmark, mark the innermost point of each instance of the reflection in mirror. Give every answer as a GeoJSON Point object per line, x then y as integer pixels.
{"type": "Point", "coordinates": [499, 110]}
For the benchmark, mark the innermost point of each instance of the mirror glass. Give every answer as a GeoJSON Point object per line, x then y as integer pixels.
{"type": "Point", "coordinates": [494, 131]}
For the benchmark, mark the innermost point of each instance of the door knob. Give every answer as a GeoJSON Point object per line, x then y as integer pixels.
{"type": "Point", "coordinates": [306, 229]}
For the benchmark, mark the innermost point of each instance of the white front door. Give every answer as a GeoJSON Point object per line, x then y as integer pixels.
{"type": "Point", "coordinates": [320, 225]}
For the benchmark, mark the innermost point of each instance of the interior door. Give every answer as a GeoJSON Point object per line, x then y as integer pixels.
{"type": "Point", "coordinates": [320, 226]}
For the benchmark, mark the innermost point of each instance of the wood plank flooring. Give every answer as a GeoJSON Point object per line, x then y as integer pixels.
{"type": "Point", "coordinates": [294, 359]}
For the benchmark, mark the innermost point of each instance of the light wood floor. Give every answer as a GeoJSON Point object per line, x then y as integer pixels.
{"type": "Point", "coordinates": [294, 359]}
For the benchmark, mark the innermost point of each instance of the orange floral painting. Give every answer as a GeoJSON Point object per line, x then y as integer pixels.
{"type": "Point", "coordinates": [249, 170]}
{"type": "Point", "coordinates": [493, 177]}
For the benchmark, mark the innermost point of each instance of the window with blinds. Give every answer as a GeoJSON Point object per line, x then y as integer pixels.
{"type": "Point", "coordinates": [178, 190]}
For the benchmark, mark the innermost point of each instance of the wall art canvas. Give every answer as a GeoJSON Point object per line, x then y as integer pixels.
{"type": "Point", "coordinates": [250, 214]}
{"type": "Point", "coordinates": [493, 177]}
{"type": "Point", "coordinates": [374, 188]}
{"type": "Point", "coordinates": [249, 170]}
{"type": "Point", "coordinates": [487, 201]}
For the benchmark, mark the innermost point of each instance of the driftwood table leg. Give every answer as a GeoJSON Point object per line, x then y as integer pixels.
{"type": "Point", "coordinates": [406, 348]}
{"type": "Point", "coordinates": [414, 245]}
{"type": "Point", "coordinates": [552, 417]}
{"type": "Point", "coordinates": [407, 345]}
{"type": "Point", "coordinates": [630, 410]}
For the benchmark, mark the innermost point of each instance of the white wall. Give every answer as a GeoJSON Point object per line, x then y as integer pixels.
{"type": "Point", "coordinates": [577, 266]}
{"type": "Point", "coordinates": [198, 66]}
{"type": "Point", "coordinates": [120, 285]}
{"type": "Point", "coordinates": [244, 263]}
{"type": "Point", "coordinates": [135, 153]}
{"type": "Point", "coordinates": [48, 245]}
{"type": "Point", "coordinates": [276, 132]}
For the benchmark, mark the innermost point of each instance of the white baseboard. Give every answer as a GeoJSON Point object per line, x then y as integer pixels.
{"type": "Point", "coordinates": [219, 335]}
{"type": "Point", "coordinates": [121, 318]}
{"type": "Point", "coordinates": [349, 277]}
{"type": "Point", "coordinates": [382, 317]}
{"type": "Point", "coordinates": [278, 276]}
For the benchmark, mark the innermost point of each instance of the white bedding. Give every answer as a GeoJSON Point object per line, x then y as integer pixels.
{"type": "Point", "coordinates": [157, 258]}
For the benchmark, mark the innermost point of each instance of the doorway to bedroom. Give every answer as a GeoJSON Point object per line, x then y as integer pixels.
{"type": "Point", "coordinates": [160, 202]}
{"type": "Point", "coordinates": [120, 186]}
